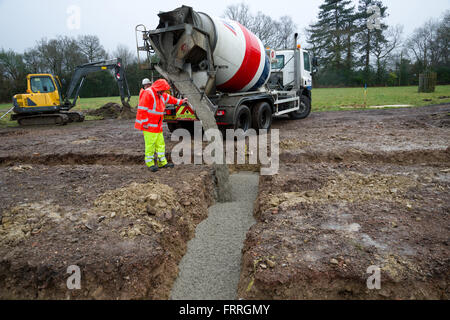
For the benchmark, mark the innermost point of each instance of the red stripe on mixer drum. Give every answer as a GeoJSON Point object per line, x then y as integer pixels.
{"type": "Point", "coordinates": [249, 66]}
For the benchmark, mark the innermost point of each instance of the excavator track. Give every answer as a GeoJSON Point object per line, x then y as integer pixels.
{"type": "Point", "coordinates": [74, 116]}
{"type": "Point", "coordinates": [44, 119]}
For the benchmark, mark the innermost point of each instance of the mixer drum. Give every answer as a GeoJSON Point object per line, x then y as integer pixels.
{"type": "Point", "coordinates": [239, 57]}
{"type": "Point", "coordinates": [243, 54]}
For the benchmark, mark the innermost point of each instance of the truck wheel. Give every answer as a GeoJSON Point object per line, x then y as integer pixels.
{"type": "Point", "coordinates": [262, 116]}
{"type": "Point", "coordinates": [304, 111]}
{"type": "Point", "coordinates": [243, 118]}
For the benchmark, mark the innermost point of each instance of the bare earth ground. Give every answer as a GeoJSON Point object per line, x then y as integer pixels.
{"type": "Point", "coordinates": [355, 189]}
{"type": "Point", "coordinates": [56, 211]}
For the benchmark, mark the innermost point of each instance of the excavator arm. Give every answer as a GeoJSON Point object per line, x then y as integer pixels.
{"type": "Point", "coordinates": [82, 71]}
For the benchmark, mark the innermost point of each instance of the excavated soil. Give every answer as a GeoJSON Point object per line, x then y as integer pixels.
{"type": "Point", "coordinates": [354, 189]}
{"type": "Point", "coordinates": [113, 110]}
{"type": "Point", "coordinates": [124, 227]}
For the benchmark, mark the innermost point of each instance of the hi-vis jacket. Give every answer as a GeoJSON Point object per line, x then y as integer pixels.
{"type": "Point", "coordinates": [151, 107]}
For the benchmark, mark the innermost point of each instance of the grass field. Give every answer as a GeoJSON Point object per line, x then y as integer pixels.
{"type": "Point", "coordinates": [341, 98]}
{"type": "Point", "coordinates": [324, 99]}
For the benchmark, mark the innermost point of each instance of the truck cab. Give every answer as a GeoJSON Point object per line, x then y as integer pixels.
{"type": "Point", "coordinates": [283, 70]}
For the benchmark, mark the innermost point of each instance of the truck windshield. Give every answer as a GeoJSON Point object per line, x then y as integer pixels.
{"type": "Point", "coordinates": [279, 63]}
{"type": "Point", "coordinates": [42, 84]}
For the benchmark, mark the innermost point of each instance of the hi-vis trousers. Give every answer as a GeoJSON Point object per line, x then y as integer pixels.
{"type": "Point", "coordinates": [154, 142]}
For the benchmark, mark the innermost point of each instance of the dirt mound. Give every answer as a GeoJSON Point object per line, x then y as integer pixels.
{"type": "Point", "coordinates": [127, 112]}
{"type": "Point", "coordinates": [27, 219]}
{"type": "Point", "coordinates": [147, 204]}
{"type": "Point", "coordinates": [113, 110]}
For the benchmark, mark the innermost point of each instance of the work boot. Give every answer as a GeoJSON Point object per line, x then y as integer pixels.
{"type": "Point", "coordinates": [153, 168]}
{"type": "Point", "coordinates": [168, 165]}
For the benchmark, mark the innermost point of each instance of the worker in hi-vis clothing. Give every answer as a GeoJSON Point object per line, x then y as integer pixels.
{"type": "Point", "coordinates": [149, 119]}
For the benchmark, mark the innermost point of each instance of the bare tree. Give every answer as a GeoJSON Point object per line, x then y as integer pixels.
{"type": "Point", "coordinates": [445, 34]}
{"type": "Point", "coordinates": [262, 26]}
{"type": "Point", "coordinates": [90, 46]}
{"type": "Point", "coordinates": [240, 13]}
{"type": "Point", "coordinates": [72, 54]}
{"type": "Point", "coordinates": [59, 56]}
{"type": "Point", "coordinates": [421, 43]}
{"type": "Point", "coordinates": [33, 60]}
{"type": "Point", "coordinates": [51, 53]}
{"type": "Point", "coordinates": [384, 46]}
{"type": "Point", "coordinates": [285, 32]}
{"type": "Point", "coordinates": [275, 34]}
{"type": "Point", "coordinates": [123, 52]}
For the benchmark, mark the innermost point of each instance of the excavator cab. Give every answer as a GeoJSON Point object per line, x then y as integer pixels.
{"type": "Point", "coordinates": [43, 94]}
{"type": "Point", "coordinates": [43, 102]}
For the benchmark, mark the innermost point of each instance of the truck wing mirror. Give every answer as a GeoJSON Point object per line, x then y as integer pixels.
{"type": "Point", "coordinates": [315, 62]}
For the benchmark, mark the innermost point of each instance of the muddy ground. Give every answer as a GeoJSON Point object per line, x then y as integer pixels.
{"type": "Point", "coordinates": [354, 189]}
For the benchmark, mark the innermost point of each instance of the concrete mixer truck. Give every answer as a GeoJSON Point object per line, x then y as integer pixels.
{"type": "Point", "coordinates": [221, 63]}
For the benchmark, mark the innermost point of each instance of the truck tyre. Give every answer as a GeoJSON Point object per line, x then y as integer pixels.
{"type": "Point", "coordinates": [262, 116]}
{"type": "Point", "coordinates": [304, 111]}
{"type": "Point", "coordinates": [243, 118]}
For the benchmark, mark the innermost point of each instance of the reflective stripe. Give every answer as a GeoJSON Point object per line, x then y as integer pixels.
{"type": "Point", "coordinates": [161, 153]}
{"type": "Point", "coordinates": [148, 160]}
{"type": "Point", "coordinates": [151, 125]}
{"type": "Point", "coordinates": [150, 111]}
{"type": "Point", "coordinates": [142, 121]}
{"type": "Point", "coordinates": [162, 159]}
{"type": "Point", "coordinates": [154, 99]}
{"type": "Point", "coordinates": [178, 101]}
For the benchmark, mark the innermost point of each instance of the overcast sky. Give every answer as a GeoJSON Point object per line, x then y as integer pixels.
{"type": "Point", "coordinates": [23, 22]}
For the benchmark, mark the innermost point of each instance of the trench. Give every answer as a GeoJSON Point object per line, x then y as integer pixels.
{"type": "Point", "coordinates": [203, 106]}
{"type": "Point", "coordinates": [211, 267]}
{"type": "Point", "coordinates": [408, 157]}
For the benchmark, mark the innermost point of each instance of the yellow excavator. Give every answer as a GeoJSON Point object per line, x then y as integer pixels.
{"type": "Point", "coordinates": [44, 102]}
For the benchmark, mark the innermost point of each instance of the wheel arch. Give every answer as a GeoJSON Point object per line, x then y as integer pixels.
{"type": "Point", "coordinates": [306, 92]}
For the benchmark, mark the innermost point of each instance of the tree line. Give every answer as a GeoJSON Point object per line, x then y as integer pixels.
{"type": "Point", "coordinates": [60, 56]}
{"type": "Point", "coordinates": [351, 53]}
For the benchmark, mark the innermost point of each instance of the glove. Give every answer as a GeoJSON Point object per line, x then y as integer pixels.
{"type": "Point", "coordinates": [184, 101]}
